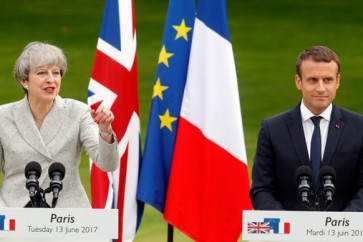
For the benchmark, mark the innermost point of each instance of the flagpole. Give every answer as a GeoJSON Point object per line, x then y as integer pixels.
{"type": "Point", "coordinates": [170, 233]}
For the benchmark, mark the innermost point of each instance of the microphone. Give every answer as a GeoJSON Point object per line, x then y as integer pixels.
{"type": "Point", "coordinates": [56, 174]}
{"type": "Point", "coordinates": [303, 176]}
{"type": "Point", "coordinates": [32, 172]}
{"type": "Point", "coordinates": [327, 177]}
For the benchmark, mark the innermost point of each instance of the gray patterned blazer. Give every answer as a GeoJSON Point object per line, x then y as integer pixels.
{"type": "Point", "coordinates": [67, 128]}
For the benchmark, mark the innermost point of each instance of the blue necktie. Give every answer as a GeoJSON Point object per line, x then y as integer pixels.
{"type": "Point", "coordinates": [315, 151]}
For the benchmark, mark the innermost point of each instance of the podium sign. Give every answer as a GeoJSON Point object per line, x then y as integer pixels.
{"type": "Point", "coordinates": [302, 226]}
{"type": "Point", "coordinates": [50, 223]}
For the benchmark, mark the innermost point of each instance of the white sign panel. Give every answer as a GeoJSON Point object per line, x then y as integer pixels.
{"type": "Point", "coordinates": [302, 226]}
{"type": "Point", "coordinates": [58, 223]}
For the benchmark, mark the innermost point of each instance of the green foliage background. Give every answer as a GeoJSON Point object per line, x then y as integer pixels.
{"type": "Point", "coordinates": [267, 36]}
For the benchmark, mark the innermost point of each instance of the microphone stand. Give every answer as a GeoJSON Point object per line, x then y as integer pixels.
{"type": "Point", "coordinates": [55, 197]}
{"type": "Point", "coordinates": [33, 201]}
{"type": "Point", "coordinates": [38, 199]}
{"type": "Point", "coordinates": [316, 203]}
{"type": "Point", "coordinates": [43, 202]}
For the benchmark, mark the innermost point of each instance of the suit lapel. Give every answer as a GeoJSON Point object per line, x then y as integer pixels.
{"type": "Point", "coordinates": [53, 121]}
{"type": "Point", "coordinates": [336, 126]}
{"type": "Point", "coordinates": [297, 135]}
{"type": "Point", "coordinates": [39, 139]}
{"type": "Point", "coordinates": [25, 122]}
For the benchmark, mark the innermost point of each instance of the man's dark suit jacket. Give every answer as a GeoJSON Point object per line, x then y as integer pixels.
{"type": "Point", "coordinates": [281, 149]}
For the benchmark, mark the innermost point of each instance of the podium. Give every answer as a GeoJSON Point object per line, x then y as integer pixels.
{"type": "Point", "coordinates": [302, 226]}
{"type": "Point", "coordinates": [58, 224]}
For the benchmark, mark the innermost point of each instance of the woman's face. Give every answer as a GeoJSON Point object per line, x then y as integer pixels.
{"type": "Point", "coordinates": [43, 83]}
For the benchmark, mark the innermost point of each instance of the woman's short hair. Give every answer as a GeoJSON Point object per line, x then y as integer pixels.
{"type": "Point", "coordinates": [37, 54]}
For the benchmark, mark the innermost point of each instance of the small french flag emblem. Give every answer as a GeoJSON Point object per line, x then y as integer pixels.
{"type": "Point", "coordinates": [6, 224]}
{"type": "Point", "coordinates": [284, 228]}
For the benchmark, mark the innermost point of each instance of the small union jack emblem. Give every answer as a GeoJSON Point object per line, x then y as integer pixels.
{"type": "Point", "coordinates": [258, 227]}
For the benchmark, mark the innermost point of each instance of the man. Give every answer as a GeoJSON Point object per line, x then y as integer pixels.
{"type": "Point", "coordinates": [284, 145]}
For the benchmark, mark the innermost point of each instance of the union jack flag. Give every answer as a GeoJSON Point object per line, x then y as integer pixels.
{"type": "Point", "coordinates": [258, 227]}
{"type": "Point", "coordinates": [114, 85]}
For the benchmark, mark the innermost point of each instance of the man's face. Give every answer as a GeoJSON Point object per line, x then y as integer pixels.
{"type": "Point", "coordinates": [319, 83]}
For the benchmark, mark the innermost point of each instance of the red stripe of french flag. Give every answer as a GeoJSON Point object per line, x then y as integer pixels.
{"type": "Point", "coordinates": [284, 228]}
{"type": "Point", "coordinates": [209, 186]}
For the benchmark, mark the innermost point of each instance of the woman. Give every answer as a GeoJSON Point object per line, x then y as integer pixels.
{"type": "Point", "coordinates": [46, 128]}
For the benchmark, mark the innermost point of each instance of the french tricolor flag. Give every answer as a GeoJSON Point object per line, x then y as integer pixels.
{"type": "Point", "coordinates": [209, 182]}
{"type": "Point", "coordinates": [6, 224]}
